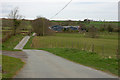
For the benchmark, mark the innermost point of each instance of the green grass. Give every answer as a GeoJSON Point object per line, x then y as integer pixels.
{"type": "Point", "coordinates": [0, 65]}
{"type": "Point", "coordinates": [99, 24]}
{"type": "Point", "coordinates": [10, 66]}
{"type": "Point", "coordinates": [86, 58]}
{"type": "Point", "coordinates": [103, 46]}
{"type": "Point", "coordinates": [60, 44]}
{"type": "Point", "coordinates": [12, 42]}
{"type": "Point", "coordinates": [101, 35]}
{"type": "Point", "coordinates": [0, 59]}
{"type": "Point", "coordinates": [0, 35]}
{"type": "Point", "coordinates": [6, 28]}
{"type": "Point", "coordinates": [27, 46]}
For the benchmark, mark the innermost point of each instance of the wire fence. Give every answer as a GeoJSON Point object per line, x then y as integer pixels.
{"type": "Point", "coordinates": [102, 49]}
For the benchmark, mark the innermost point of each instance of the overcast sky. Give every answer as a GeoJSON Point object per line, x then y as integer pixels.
{"type": "Point", "coordinates": [76, 10]}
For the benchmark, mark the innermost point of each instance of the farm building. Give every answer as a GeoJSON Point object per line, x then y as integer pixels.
{"type": "Point", "coordinates": [60, 28]}
{"type": "Point", "coordinates": [57, 28]}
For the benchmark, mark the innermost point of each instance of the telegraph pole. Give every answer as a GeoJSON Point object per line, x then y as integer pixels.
{"type": "Point", "coordinates": [43, 26]}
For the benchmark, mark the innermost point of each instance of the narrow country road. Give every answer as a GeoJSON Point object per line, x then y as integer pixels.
{"type": "Point", "coordinates": [42, 64]}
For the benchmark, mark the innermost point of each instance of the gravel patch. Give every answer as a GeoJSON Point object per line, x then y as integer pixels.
{"type": "Point", "coordinates": [17, 54]}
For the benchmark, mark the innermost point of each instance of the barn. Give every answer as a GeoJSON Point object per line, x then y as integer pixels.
{"type": "Point", "coordinates": [60, 28]}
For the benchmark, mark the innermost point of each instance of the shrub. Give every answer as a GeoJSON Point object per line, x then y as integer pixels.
{"type": "Point", "coordinates": [7, 36]}
{"type": "Point", "coordinates": [41, 26]}
{"type": "Point", "coordinates": [92, 32]}
{"type": "Point", "coordinates": [102, 28]}
{"type": "Point", "coordinates": [109, 28]}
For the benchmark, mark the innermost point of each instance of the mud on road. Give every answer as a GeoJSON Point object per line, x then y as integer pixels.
{"type": "Point", "coordinates": [17, 54]}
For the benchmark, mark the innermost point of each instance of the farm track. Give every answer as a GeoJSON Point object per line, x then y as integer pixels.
{"type": "Point", "coordinates": [22, 42]}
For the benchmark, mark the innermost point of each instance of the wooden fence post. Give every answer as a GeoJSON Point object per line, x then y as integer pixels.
{"type": "Point", "coordinates": [117, 54]}
{"type": "Point", "coordinates": [66, 44]}
{"type": "Point", "coordinates": [78, 45]}
{"type": "Point", "coordinates": [103, 50]}
{"type": "Point", "coordinates": [56, 43]}
{"type": "Point", "coordinates": [72, 44]}
{"type": "Point", "coordinates": [93, 47]}
{"type": "Point", "coordinates": [61, 44]}
{"type": "Point", "coordinates": [51, 44]}
{"type": "Point", "coordinates": [85, 46]}
{"type": "Point", "coordinates": [32, 45]}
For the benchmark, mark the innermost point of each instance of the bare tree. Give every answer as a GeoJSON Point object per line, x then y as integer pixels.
{"type": "Point", "coordinates": [15, 16]}
{"type": "Point", "coordinates": [41, 26]}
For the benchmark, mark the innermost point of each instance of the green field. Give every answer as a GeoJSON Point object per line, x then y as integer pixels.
{"type": "Point", "coordinates": [10, 66]}
{"type": "Point", "coordinates": [97, 24]}
{"type": "Point", "coordinates": [86, 58]}
{"type": "Point", "coordinates": [105, 45]}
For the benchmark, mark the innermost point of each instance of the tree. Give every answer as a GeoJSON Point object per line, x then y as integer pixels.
{"type": "Point", "coordinates": [87, 21]}
{"type": "Point", "coordinates": [41, 26]}
{"type": "Point", "coordinates": [92, 32]}
{"type": "Point", "coordinates": [102, 28]}
{"type": "Point", "coordinates": [15, 16]}
{"type": "Point", "coordinates": [110, 29]}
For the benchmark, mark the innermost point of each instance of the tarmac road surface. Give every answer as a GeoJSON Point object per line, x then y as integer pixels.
{"type": "Point", "coordinates": [42, 64]}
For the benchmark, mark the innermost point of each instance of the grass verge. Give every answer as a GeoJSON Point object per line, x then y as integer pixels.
{"type": "Point", "coordinates": [29, 43]}
{"type": "Point", "coordinates": [10, 66]}
{"type": "Point", "coordinates": [0, 65]}
{"type": "Point", "coordinates": [12, 42]}
{"type": "Point", "coordinates": [87, 58]}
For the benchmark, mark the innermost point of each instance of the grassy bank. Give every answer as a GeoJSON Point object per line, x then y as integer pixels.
{"type": "Point", "coordinates": [12, 42]}
{"type": "Point", "coordinates": [0, 65]}
{"type": "Point", "coordinates": [10, 66]}
{"type": "Point", "coordinates": [29, 43]}
{"type": "Point", "coordinates": [86, 58]}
